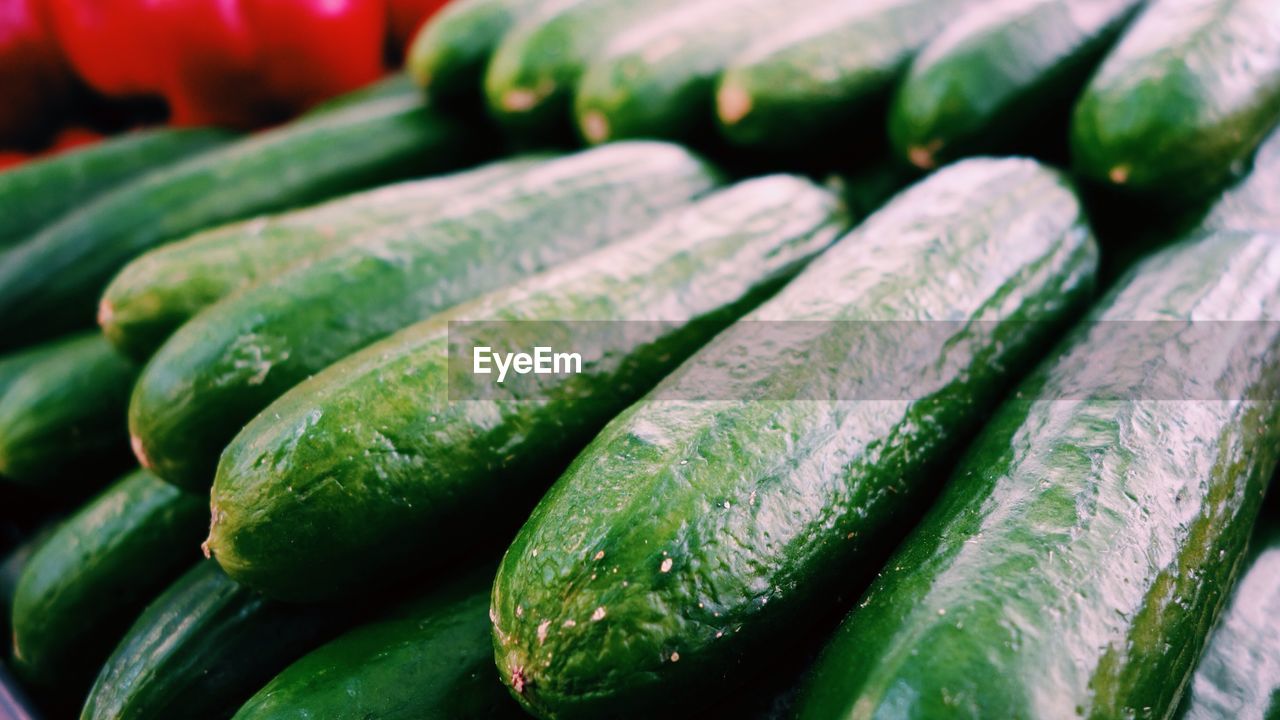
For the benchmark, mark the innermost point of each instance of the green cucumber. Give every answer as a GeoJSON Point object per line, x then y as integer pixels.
{"type": "Point", "coordinates": [718, 515]}
{"type": "Point", "coordinates": [39, 192]}
{"type": "Point", "coordinates": [95, 573]}
{"type": "Point", "coordinates": [1185, 98]}
{"type": "Point", "coordinates": [1254, 202]}
{"type": "Point", "coordinates": [999, 75]}
{"type": "Point", "coordinates": [398, 85]}
{"type": "Point", "coordinates": [217, 371]}
{"type": "Point", "coordinates": [656, 79]}
{"type": "Point", "coordinates": [531, 79]}
{"type": "Point", "coordinates": [51, 283]}
{"type": "Point", "coordinates": [831, 67]}
{"type": "Point", "coordinates": [370, 468]}
{"type": "Point", "coordinates": [450, 53]}
{"type": "Point", "coordinates": [431, 660]}
{"type": "Point", "coordinates": [1078, 559]}
{"type": "Point", "coordinates": [1238, 675]}
{"type": "Point", "coordinates": [11, 567]}
{"type": "Point", "coordinates": [62, 412]}
{"type": "Point", "coordinates": [203, 647]}
{"type": "Point", "coordinates": [165, 287]}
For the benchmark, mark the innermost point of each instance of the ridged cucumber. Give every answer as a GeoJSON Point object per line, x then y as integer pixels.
{"type": "Point", "coordinates": [1239, 673]}
{"type": "Point", "coordinates": [656, 79]}
{"type": "Point", "coordinates": [1078, 559]}
{"type": "Point", "coordinates": [428, 468]}
{"type": "Point", "coordinates": [203, 647]}
{"type": "Point", "coordinates": [62, 412]}
{"type": "Point", "coordinates": [1186, 96]}
{"type": "Point", "coordinates": [715, 517]}
{"type": "Point", "coordinates": [530, 82]}
{"type": "Point", "coordinates": [1000, 74]}
{"type": "Point", "coordinates": [831, 67]}
{"type": "Point", "coordinates": [216, 372]}
{"type": "Point", "coordinates": [37, 193]}
{"type": "Point", "coordinates": [450, 53]}
{"type": "Point", "coordinates": [431, 660]}
{"type": "Point", "coordinates": [51, 282]}
{"type": "Point", "coordinates": [95, 573]}
{"type": "Point", "coordinates": [165, 287]}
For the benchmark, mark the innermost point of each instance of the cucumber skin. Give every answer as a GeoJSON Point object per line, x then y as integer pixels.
{"type": "Point", "coordinates": [430, 660]}
{"type": "Point", "coordinates": [530, 83]}
{"type": "Point", "coordinates": [825, 71]}
{"type": "Point", "coordinates": [685, 582]}
{"type": "Point", "coordinates": [202, 648]}
{"type": "Point", "coordinates": [62, 414]}
{"type": "Point", "coordinates": [1236, 676]}
{"type": "Point", "coordinates": [625, 92]}
{"type": "Point", "coordinates": [992, 77]}
{"type": "Point", "coordinates": [1147, 121]}
{"type": "Point", "coordinates": [449, 55]}
{"type": "Point", "coordinates": [283, 523]}
{"type": "Point", "coordinates": [158, 291]}
{"type": "Point", "coordinates": [95, 573]}
{"type": "Point", "coordinates": [971, 618]}
{"type": "Point", "coordinates": [222, 368]}
{"type": "Point", "coordinates": [396, 85]}
{"type": "Point", "coordinates": [1254, 202]}
{"type": "Point", "coordinates": [51, 283]}
{"type": "Point", "coordinates": [37, 193]}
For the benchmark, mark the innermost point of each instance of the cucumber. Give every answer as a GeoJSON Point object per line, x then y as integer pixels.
{"type": "Point", "coordinates": [1000, 75]}
{"type": "Point", "coordinates": [449, 55]}
{"type": "Point", "coordinates": [1239, 673]}
{"type": "Point", "coordinates": [656, 79]}
{"type": "Point", "coordinates": [1183, 100]}
{"type": "Point", "coordinates": [51, 283]}
{"type": "Point", "coordinates": [165, 287]}
{"type": "Point", "coordinates": [1254, 202]}
{"type": "Point", "coordinates": [95, 573]}
{"type": "Point", "coordinates": [530, 82]}
{"type": "Point", "coordinates": [397, 85]}
{"type": "Point", "coordinates": [830, 68]}
{"type": "Point", "coordinates": [11, 567]}
{"type": "Point", "coordinates": [62, 413]}
{"type": "Point", "coordinates": [203, 647]}
{"type": "Point", "coordinates": [431, 660]}
{"type": "Point", "coordinates": [1078, 559]}
{"type": "Point", "coordinates": [280, 484]}
{"type": "Point", "coordinates": [37, 193]}
{"type": "Point", "coordinates": [714, 517]}
{"type": "Point", "coordinates": [220, 369]}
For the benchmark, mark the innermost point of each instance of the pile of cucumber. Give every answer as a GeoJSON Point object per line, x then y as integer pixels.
{"type": "Point", "coordinates": [928, 367]}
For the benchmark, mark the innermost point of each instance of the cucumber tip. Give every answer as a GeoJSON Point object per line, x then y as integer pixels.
{"type": "Point", "coordinates": [106, 313]}
{"type": "Point", "coordinates": [1119, 174]}
{"type": "Point", "coordinates": [139, 452]}
{"type": "Point", "coordinates": [732, 104]}
{"type": "Point", "coordinates": [595, 127]}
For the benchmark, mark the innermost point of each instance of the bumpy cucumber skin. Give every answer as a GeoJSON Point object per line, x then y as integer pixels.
{"type": "Point", "coordinates": [1186, 96]}
{"type": "Point", "coordinates": [165, 287]}
{"type": "Point", "coordinates": [656, 79]}
{"type": "Point", "coordinates": [530, 83]}
{"type": "Point", "coordinates": [288, 518]}
{"type": "Point", "coordinates": [1239, 673]}
{"type": "Point", "coordinates": [988, 80]}
{"type": "Point", "coordinates": [450, 53]}
{"type": "Point", "coordinates": [35, 194]}
{"type": "Point", "coordinates": [62, 413]}
{"type": "Point", "coordinates": [217, 371]}
{"type": "Point", "coordinates": [431, 660]}
{"type": "Point", "coordinates": [202, 648]}
{"type": "Point", "coordinates": [51, 282]}
{"type": "Point", "coordinates": [691, 534]}
{"type": "Point", "coordinates": [95, 573]}
{"type": "Point", "coordinates": [831, 66]}
{"type": "Point", "coordinates": [1079, 557]}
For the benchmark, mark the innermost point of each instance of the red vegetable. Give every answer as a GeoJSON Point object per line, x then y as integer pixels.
{"type": "Point", "coordinates": [34, 81]}
{"type": "Point", "coordinates": [227, 62]}
{"type": "Point", "coordinates": [406, 16]}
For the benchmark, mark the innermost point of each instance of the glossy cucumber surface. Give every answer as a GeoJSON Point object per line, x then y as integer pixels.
{"type": "Point", "coordinates": [378, 466]}
{"type": "Point", "coordinates": [710, 519]}
{"type": "Point", "coordinates": [1083, 549]}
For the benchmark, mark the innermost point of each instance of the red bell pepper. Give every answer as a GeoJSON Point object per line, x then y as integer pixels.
{"type": "Point", "coordinates": [35, 83]}
{"type": "Point", "coordinates": [228, 62]}
{"type": "Point", "coordinates": [407, 16]}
